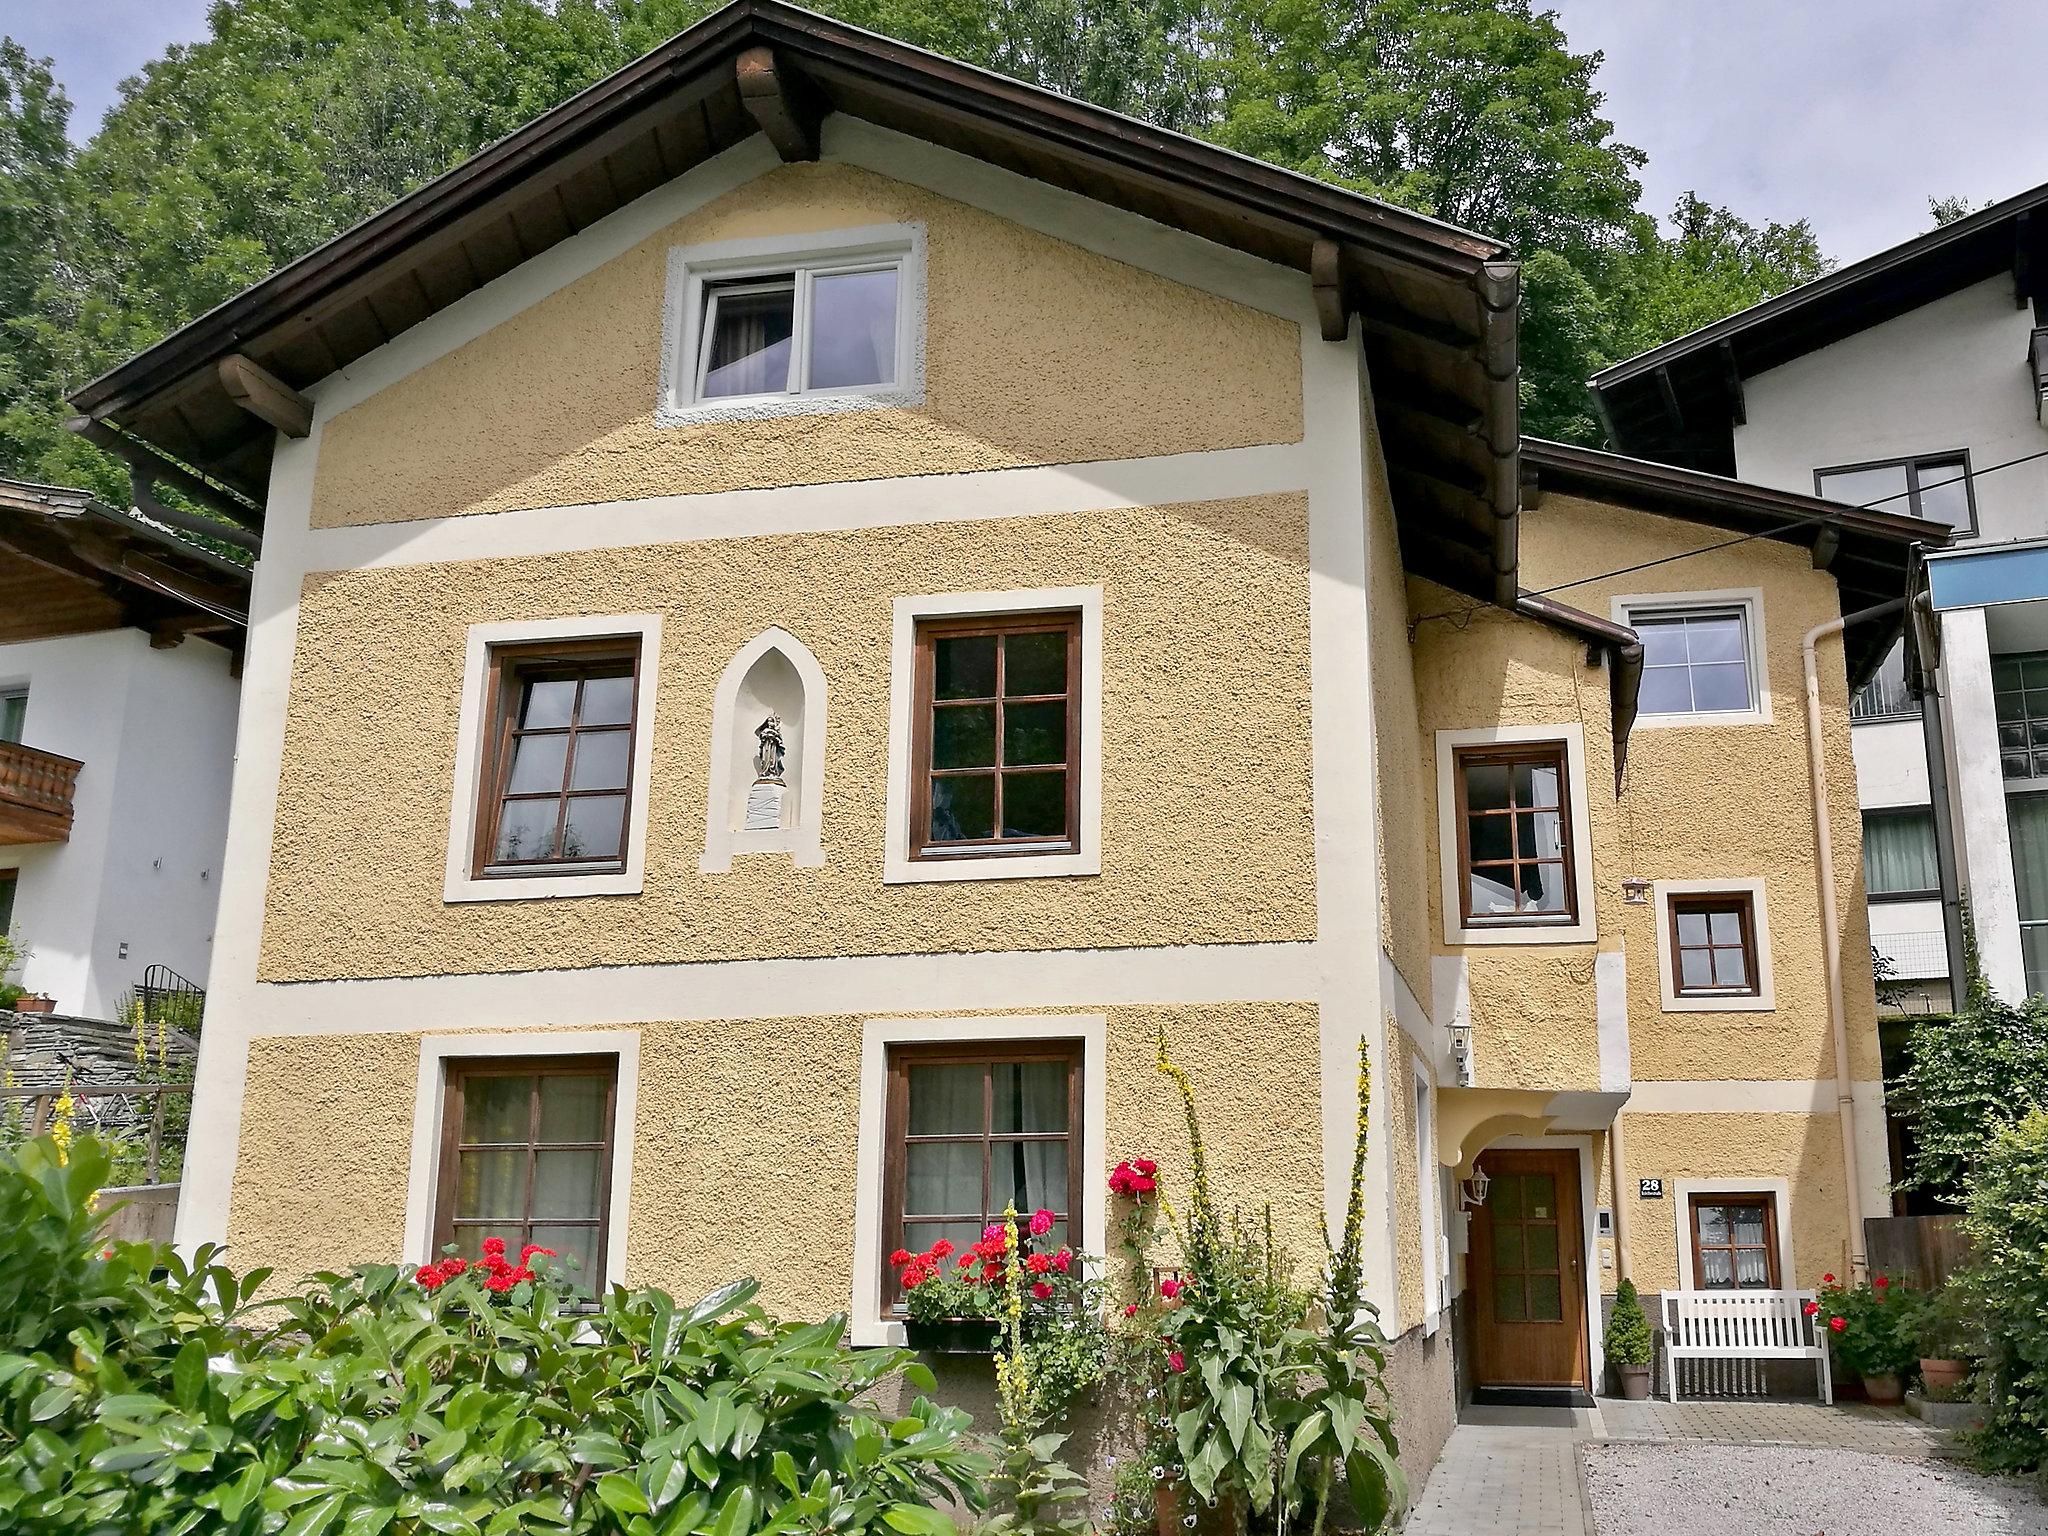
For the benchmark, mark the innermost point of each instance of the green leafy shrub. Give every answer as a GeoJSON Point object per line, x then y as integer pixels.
{"type": "Point", "coordinates": [1967, 1077]}
{"type": "Point", "coordinates": [1951, 1322]}
{"type": "Point", "coordinates": [139, 1394]}
{"type": "Point", "coordinates": [2008, 1223]}
{"type": "Point", "coordinates": [1274, 1393]}
{"type": "Point", "coordinates": [1628, 1338]}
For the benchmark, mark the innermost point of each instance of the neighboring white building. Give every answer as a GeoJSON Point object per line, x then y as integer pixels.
{"type": "Point", "coordinates": [1911, 382]}
{"type": "Point", "coordinates": [117, 737]}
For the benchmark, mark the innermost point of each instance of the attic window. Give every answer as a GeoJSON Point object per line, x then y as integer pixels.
{"type": "Point", "coordinates": [815, 330]}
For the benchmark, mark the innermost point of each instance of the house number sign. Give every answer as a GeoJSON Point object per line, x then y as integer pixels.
{"type": "Point", "coordinates": [1649, 1189]}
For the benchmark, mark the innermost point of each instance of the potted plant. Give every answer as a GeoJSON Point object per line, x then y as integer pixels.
{"type": "Point", "coordinates": [1951, 1337]}
{"type": "Point", "coordinates": [1629, 1343]}
{"type": "Point", "coordinates": [1875, 1328]}
{"type": "Point", "coordinates": [952, 1300]}
{"type": "Point", "coordinates": [35, 1002]}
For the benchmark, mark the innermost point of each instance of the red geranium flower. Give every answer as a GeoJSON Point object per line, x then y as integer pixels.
{"type": "Point", "coordinates": [1838, 1323]}
{"type": "Point", "coordinates": [1041, 1222]}
{"type": "Point", "coordinates": [1063, 1260]}
{"type": "Point", "coordinates": [450, 1268]}
{"type": "Point", "coordinates": [429, 1278]}
{"type": "Point", "coordinates": [1176, 1361]}
{"type": "Point", "coordinates": [1042, 1289]}
{"type": "Point", "coordinates": [1881, 1282]}
{"type": "Point", "coordinates": [494, 1247]}
{"type": "Point", "coordinates": [526, 1254]}
{"type": "Point", "coordinates": [1131, 1310]}
{"type": "Point", "coordinates": [1038, 1263]}
{"type": "Point", "coordinates": [1827, 1279]}
{"type": "Point", "coordinates": [942, 1249]}
{"type": "Point", "coordinates": [899, 1258]}
{"type": "Point", "coordinates": [1810, 1308]}
{"type": "Point", "coordinates": [1169, 1289]}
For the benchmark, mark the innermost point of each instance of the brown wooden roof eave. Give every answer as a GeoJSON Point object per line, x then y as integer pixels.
{"type": "Point", "coordinates": [1615, 644]}
{"type": "Point", "coordinates": [320, 308]}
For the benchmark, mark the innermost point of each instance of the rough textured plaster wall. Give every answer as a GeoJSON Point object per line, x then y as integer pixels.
{"type": "Point", "coordinates": [1422, 1385]}
{"type": "Point", "coordinates": [1805, 1150]}
{"type": "Point", "coordinates": [1207, 828]}
{"type": "Point", "coordinates": [1533, 1005]}
{"type": "Point", "coordinates": [1708, 801]}
{"type": "Point", "coordinates": [1037, 352]}
{"type": "Point", "coordinates": [746, 1140]}
{"type": "Point", "coordinates": [1407, 804]}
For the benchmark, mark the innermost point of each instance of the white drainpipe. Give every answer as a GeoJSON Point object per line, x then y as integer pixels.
{"type": "Point", "coordinates": [1830, 919]}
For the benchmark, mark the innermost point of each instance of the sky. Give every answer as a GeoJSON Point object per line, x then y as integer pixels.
{"type": "Point", "coordinates": [1851, 113]}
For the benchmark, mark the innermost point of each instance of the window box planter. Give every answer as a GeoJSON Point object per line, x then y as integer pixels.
{"type": "Point", "coordinates": [954, 1335]}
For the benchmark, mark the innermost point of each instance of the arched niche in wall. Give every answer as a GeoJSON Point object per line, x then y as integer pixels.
{"type": "Point", "coordinates": [755, 804]}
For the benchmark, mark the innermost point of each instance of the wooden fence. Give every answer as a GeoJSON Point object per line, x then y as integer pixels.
{"type": "Point", "coordinates": [113, 1105]}
{"type": "Point", "coordinates": [1921, 1251]}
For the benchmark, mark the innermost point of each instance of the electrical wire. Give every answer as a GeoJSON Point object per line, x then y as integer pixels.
{"type": "Point", "coordinates": [1765, 533]}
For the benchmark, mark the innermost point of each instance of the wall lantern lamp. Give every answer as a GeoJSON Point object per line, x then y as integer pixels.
{"type": "Point", "coordinates": [1476, 1188]}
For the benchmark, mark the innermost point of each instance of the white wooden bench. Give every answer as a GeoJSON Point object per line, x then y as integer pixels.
{"type": "Point", "coordinates": [1743, 1325]}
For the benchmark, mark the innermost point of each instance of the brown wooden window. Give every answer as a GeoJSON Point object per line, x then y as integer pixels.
{"type": "Point", "coordinates": [973, 1128]}
{"type": "Point", "coordinates": [558, 775]}
{"type": "Point", "coordinates": [996, 742]}
{"type": "Point", "coordinates": [526, 1155]}
{"type": "Point", "coordinates": [1514, 834]}
{"type": "Point", "coordinates": [1734, 1242]}
{"type": "Point", "coordinates": [1713, 946]}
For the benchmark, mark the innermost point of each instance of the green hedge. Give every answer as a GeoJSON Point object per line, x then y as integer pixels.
{"type": "Point", "coordinates": [2008, 1223]}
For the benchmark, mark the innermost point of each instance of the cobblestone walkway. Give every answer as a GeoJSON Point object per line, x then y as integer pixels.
{"type": "Point", "coordinates": [1516, 1471]}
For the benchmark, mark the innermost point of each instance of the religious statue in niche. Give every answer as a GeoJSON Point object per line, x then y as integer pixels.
{"type": "Point", "coordinates": [764, 800]}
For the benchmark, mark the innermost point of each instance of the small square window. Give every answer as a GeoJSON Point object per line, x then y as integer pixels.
{"type": "Point", "coordinates": [1514, 835]}
{"type": "Point", "coordinates": [972, 1129]}
{"type": "Point", "coordinates": [1734, 1242]}
{"type": "Point", "coordinates": [526, 1156]}
{"type": "Point", "coordinates": [812, 330]}
{"type": "Point", "coordinates": [1713, 946]}
{"type": "Point", "coordinates": [1695, 661]}
{"type": "Point", "coordinates": [997, 734]}
{"type": "Point", "coordinates": [557, 786]}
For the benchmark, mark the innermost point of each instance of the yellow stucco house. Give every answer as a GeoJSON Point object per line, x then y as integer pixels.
{"type": "Point", "coordinates": [815, 598]}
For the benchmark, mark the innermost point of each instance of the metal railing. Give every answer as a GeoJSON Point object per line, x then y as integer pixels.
{"type": "Point", "coordinates": [93, 1117]}
{"type": "Point", "coordinates": [170, 998]}
{"type": "Point", "coordinates": [36, 788]}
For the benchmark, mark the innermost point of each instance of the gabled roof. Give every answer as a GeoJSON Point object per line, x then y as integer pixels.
{"type": "Point", "coordinates": [1438, 304]}
{"type": "Point", "coordinates": [1682, 401]}
{"type": "Point", "coordinates": [70, 565]}
{"type": "Point", "coordinates": [1868, 553]}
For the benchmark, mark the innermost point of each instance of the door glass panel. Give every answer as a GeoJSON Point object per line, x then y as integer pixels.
{"type": "Point", "coordinates": [1506, 1197]}
{"type": "Point", "coordinates": [1507, 1245]}
{"type": "Point", "coordinates": [1510, 1299]}
{"type": "Point", "coordinates": [1542, 1246]}
{"type": "Point", "coordinates": [1539, 1197]}
{"type": "Point", "coordinates": [1546, 1299]}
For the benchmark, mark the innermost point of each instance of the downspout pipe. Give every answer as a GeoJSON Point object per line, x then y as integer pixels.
{"type": "Point", "coordinates": [1830, 916]}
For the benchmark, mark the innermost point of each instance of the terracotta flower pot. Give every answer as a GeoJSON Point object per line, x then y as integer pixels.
{"type": "Point", "coordinates": [1886, 1391]}
{"type": "Point", "coordinates": [1635, 1382]}
{"type": "Point", "coordinates": [35, 1003]}
{"type": "Point", "coordinates": [1943, 1377]}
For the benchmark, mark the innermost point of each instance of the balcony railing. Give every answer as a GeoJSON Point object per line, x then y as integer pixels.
{"type": "Point", "coordinates": [35, 794]}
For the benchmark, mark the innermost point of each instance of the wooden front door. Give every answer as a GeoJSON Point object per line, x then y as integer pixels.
{"type": "Point", "coordinates": [1528, 1273]}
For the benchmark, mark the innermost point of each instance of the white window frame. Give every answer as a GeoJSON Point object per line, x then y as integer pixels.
{"type": "Point", "coordinates": [899, 868]}
{"type": "Point", "coordinates": [437, 1051]}
{"type": "Point", "coordinates": [1765, 999]}
{"type": "Point", "coordinates": [694, 269]}
{"type": "Point", "coordinates": [1748, 602]}
{"type": "Point", "coordinates": [459, 882]}
{"type": "Point", "coordinates": [1780, 1191]}
{"type": "Point", "coordinates": [1534, 930]}
{"type": "Point", "coordinates": [871, 1324]}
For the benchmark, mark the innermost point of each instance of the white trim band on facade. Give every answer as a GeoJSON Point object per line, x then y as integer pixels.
{"type": "Point", "coordinates": [752, 989]}
{"type": "Point", "coordinates": [1728, 1096]}
{"type": "Point", "coordinates": [898, 868]}
{"type": "Point", "coordinates": [870, 1326]}
{"type": "Point", "coordinates": [459, 884]}
{"type": "Point", "coordinates": [436, 1051]}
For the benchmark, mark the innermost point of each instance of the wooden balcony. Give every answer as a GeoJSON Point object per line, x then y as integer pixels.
{"type": "Point", "coordinates": [35, 794]}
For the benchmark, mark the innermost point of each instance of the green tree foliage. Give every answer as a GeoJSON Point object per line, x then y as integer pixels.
{"type": "Point", "coordinates": [294, 119]}
{"type": "Point", "coordinates": [1967, 1077]}
{"type": "Point", "coordinates": [1628, 1340]}
{"type": "Point", "coordinates": [2008, 1224]}
{"type": "Point", "coordinates": [141, 1394]}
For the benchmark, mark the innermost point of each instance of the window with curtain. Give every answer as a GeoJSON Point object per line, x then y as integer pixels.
{"type": "Point", "coordinates": [974, 1128]}
{"type": "Point", "coordinates": [2026, 819]}
{"type": "Point", "coordinates": [526, 1155]}
{"type": "Point", "coordinates": [559, 777]}
{"type": "Point", "coordinates": [1514, 834]}
{"type": "Point", "coordinates": [813, 330]}
{"type": "Point", "coordinates": [1936, 488]}
{"type": "Point", "coordinates": [1734, 1242]}
{"type": "Point", "coordinates": [1898, 855]}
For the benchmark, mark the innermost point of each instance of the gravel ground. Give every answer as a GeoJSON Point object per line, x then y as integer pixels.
{"type": "Point", "coordinates": [1712, 1490]}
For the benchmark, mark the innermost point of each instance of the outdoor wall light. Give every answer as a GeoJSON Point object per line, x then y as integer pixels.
{"type": "Point", "coordinates": [1476, 1188]}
